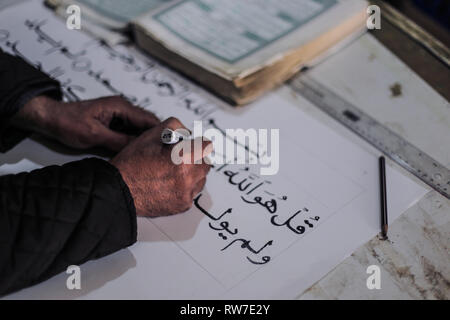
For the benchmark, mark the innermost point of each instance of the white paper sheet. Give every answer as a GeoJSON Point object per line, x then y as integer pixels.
{"type": "Point", "coordinates": [184, 256]}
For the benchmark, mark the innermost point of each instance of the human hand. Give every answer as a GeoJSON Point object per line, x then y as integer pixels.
{"type": "Point", "coordinates": [160, 187]}
{"type": "Point", "coordinates": [85, 124]}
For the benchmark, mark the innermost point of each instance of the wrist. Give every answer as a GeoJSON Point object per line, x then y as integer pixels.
{"type": "Point", "coordinates": [35, 115]}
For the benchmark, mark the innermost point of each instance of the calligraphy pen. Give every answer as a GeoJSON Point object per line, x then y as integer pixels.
{"type": "Point", "coordinates": [383, 200]}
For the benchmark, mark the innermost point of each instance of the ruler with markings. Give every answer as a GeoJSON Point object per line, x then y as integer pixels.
{"type": "Point", "coordinates": [392, 145]}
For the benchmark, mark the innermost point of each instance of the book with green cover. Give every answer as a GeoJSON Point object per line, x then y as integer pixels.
{"type": "Point", "coordinates": [234, 48]}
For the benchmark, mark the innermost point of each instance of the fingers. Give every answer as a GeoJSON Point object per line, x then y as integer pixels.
{"type": "Point", "coordinates": [173, 123]}
{"type": "Point", "coordinates": [200, 171]}
{"type": "Point", "coordinates": [191, 151]}
{"type": "Point", "coordinates": [140, 118]}
{"type": "Point", "coordinates": [186, 151]}
{"type": "Point", "coordinates": [206, 149]}
{"type": "Point", "coordinates": [198, 187]}
{"type": "Point", "coordinates": [110, 139]}
{"type": "Point", "coordinates": [135, 119]}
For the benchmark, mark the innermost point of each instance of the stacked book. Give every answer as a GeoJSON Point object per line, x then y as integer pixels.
{"type": "Point", "coordinates": [238, 49]}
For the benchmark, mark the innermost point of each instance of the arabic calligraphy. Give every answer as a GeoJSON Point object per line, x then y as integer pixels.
{"type": "Point", "coordinates": [252, 190]}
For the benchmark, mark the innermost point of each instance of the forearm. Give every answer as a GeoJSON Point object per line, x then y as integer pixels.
{"type": "Point", "coordinates": [61, 215]}
{"type": "Point", "coordinates": [34, 116]}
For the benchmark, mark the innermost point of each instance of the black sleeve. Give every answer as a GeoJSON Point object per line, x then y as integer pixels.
{"type": "Point", "coordinates": [59, 216]}
{"type": "Point", "coordinates": [19, 82]}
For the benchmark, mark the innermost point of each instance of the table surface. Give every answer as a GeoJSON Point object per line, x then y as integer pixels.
{"type": "Point", "coordinates": [415, 262]}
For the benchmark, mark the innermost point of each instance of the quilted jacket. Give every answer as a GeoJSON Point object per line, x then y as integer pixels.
{"type": "Point", "coordinates": [58, 215]}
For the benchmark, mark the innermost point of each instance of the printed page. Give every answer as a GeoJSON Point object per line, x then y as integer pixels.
{"type": "Point", "coordinates": [248, 234]}
{"type": "Point", "coordinates": [110, 14]}
{"type": "Point", "coordinates": [122, 11]}
{"type": "Point", "coordinates": [234, 29]}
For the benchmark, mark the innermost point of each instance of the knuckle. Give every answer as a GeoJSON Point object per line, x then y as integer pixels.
{"type": "Point", "coordinates": [117, 98]}
{"type": "Point", "coordinates": [107, 100]}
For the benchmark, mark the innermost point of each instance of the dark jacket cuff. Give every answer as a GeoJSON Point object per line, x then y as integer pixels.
{"type": "Point", "coordinates": [20, 83]}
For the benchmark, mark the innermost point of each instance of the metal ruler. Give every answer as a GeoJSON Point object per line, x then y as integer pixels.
{"type": "Point", "coordinates": [392, 145]}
